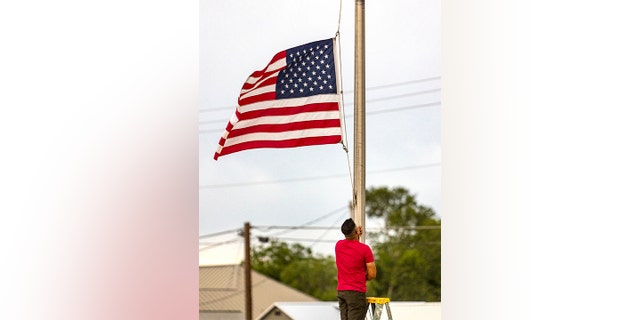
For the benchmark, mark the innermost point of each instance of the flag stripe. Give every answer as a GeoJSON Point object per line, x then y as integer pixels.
{"type": "Point", "coordinates": [283, 136]}
{"type": "Point", "coordinates": [298, 117]}
{"type": "Point", "coordinates": [293, 102]}
{"type": "Point", "coordinates": [292, 143]}
{"type": "Point", "coordinates": [285, 126]}
{"type": "Point", "coordinates": [271, 95]}
{"type": "Point", "coordinates": [266, 81]}
{"type": "Point", "coordinates": [292, 111]}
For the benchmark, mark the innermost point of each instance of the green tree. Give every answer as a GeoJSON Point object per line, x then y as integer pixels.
{"type": "Point", "coordinates": [272, 259]}
{"type": "Point", "coordinates": [315, 276]}
{"type": "Point", "coordinates": [407, 250]}
{"type": "Point", "coordinates": [296, 266]}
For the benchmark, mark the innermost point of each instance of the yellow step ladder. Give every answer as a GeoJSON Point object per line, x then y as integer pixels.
{"type": "Point", "coordinates": [377, 304]}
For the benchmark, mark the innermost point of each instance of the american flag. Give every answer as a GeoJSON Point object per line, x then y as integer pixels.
{"type": "Point", "coordinates": [292, 102]}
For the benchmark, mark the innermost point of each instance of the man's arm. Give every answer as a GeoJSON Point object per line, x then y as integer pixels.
{"type": "Point", "coordinates": [371, 271]}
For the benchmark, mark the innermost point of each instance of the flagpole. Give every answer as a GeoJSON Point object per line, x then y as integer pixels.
{"type": "Point", "coordinates": [359, 121]}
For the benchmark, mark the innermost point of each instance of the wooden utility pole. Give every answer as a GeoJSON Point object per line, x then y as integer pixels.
{"type": "Point", "coordinates": [248, 300]}
{"type": "Point", "coordinates": [358, 119]}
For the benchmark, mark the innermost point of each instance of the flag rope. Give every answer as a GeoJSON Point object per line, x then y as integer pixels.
{"type": "Point", "coordinates": [345, 140]}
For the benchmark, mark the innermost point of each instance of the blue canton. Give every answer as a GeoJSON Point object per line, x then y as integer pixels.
{"type": "Point", "coordinates": [310, 70]}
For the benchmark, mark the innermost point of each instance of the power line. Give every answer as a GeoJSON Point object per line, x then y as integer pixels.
{"type": "Point", "coordinates": [432, 104]}
{"type": "Point", "coordinates": [294, 227]}
{"type": "Point", "coordinates": [405, 168]}
{"type": "Point", "coordinates": [339, 210]}
{"type": "Point", "coordinates": [219, 233]}
{"type": "Point", "coordinates": [306, 224]}
{"type": "Point", "coordinates": [372, 113]}
{"type": "Point", "coordinates": [397, 84]}
{"type": "Point", "coordinates": [288, 229]}
{"type": "Point", "coordinates": [430, 227]}
{"type": "Point", "coordinates": [239, 184]}
{"type": "Point", "coordinates": [333, 241]}
{"type": "Point", "coordinates": [325, 233]}
{"type": "Point", "coordinates": [254, 183]}
{"type": "Point", "coordinates": [218, 244]}
{"type": "Point", "coordinates": [305, 240]}
{"type": "Point", "coordinates": [320, 238]}
{"type": "Point", "coordinates": [368, 113]}
{"type": "Point", "coordinates": [404, 95]}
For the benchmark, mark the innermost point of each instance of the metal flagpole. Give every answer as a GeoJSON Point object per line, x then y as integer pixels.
{"type": "Point", "coordinates": [359, 123]}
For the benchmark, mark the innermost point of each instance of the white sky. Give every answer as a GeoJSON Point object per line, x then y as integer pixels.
{"type": "Point", "coordinates": [402, 147]}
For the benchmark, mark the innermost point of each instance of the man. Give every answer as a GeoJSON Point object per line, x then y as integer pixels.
{"type": "Point", "coordinates": [354, 261]}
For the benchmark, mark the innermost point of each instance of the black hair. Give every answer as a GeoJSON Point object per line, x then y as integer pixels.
{"type": "Point", "coordinates": [348, 226]}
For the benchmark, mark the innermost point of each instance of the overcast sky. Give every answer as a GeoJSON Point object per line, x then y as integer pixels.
{"type": "Point", "coordinates": [291, 187]}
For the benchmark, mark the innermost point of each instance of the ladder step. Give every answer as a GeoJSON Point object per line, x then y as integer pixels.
{"type": "Point", "coordinates": [378, 300]}
{"type": "Point", "coordinates": [377, 304]}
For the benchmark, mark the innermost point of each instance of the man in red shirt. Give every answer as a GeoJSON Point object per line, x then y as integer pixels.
{"type": "Point", "coordinates": [354, 261]}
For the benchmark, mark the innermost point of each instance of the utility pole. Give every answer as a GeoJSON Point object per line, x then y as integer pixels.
{"type": "Point", "coordinates": [358, 119]}
{"type": "Point", "coordinates": [248, 300]}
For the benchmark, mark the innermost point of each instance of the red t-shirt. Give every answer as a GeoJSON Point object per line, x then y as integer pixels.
{"type": "Point", "coordinates": [351, 259]}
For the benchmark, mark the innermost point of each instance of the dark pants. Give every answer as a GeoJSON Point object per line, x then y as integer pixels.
{"type": "Point", "coordinates": [353, 305]}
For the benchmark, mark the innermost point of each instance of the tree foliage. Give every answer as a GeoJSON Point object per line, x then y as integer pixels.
{"type": "Point", "coordinates": [314, 276]}
{"type": "Point", "coordinates": [296, 266]}
{"type": "Point", "coordinates": [407, 253]}
{"type": "Point", "coordinates": [272, 259]}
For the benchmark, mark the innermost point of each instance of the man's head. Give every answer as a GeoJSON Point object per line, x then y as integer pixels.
{"type": "Point", "coordinates": [348, 227]}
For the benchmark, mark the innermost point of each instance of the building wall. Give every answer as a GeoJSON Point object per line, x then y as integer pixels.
{"type": "Point", "coordinates": [275, 314]}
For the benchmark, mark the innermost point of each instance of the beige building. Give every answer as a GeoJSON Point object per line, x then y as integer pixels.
{"type": "Point", "coordinates": [222, 293]}
{"type": "Point", "coordinates": [222, 298]}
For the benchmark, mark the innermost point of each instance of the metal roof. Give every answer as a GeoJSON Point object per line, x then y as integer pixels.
{"type": "Point", "coordinates": [306, 310]}
{"type": "Point", "coordinates": [409, 310]}
{"type": "Point", "coordinates": [222, 290]}
{"type": "Point", "coordinates": [321, 310]}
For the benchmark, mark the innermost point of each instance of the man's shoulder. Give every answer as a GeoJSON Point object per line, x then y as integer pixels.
{"type": "Point", "coordinates": [354, 243]}
{"type": "Point", "coordinates": [351, 242]}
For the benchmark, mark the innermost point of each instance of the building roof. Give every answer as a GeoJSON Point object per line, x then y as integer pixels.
{"type": "Point", "coordinates": [222, 290]}
{"type": "Point", "coordinates": [317, 310]}
{"type": "Point", "coordinates": [321, 310]}
{"type": "Point", "coordinates": [414, 310]}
